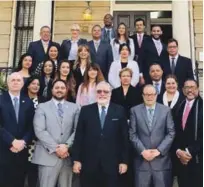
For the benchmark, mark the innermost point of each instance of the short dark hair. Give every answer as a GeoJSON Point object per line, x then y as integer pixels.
{"type": "Point", "coordinates": [124, 45]}
{"type": "Point", "coordinates": [195, 81]}
{"type": "Point", "coordinates": [45, 26]}
{"type": "Point", "coordinates": [139, 19]}
{"type": "Point", "coordinates": [58, 80]}
{"type": "Point", "coordinates": [172, 40]}
{"type": "Point", "coordinates": [108, 15]}
{"type": "Point", "coordinates": [155, 64]}
{"type": "Point", "coordinates": [156, 26]}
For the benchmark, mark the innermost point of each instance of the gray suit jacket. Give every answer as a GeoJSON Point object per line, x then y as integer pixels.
{"type": "Point", "coordinates": [50, 131]}
{"type": "Point", "coordinates": [160, 137]}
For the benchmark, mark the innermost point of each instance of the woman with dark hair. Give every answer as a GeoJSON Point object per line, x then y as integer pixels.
{"type": "Point", "coordinates": [82, 62]}
{"type": "Point", "coordinates": [87, 90]}
{"type": "Point", "coordinates": [116, 66]}
{"type": "Point", "coordinates": [64, 72]}
{"type": "Point", "coordinates": [46, 78]}
{"type": "Point", "coordinates": [53, 54]}
{"type": "Point", "coordinates": [31, 89]}
{"type": "Point", "coordinates": [24, 66]}
{"type": "Point", "coordinates": [121, 38]}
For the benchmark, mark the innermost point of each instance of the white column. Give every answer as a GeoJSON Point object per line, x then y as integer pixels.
{"type": "Point", "coordinates": [181, 26]}
{"type": "Point", "coordinates": [43, 15]}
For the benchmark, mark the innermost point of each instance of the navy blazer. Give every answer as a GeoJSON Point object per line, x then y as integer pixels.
{"type": "Point", "coordinates": [10, 129]}
{"type": "Point", "coordinates": [107, 146]}
{"type": "Point", "coordinates": [103, 57]}
{"type": "Point", "coordinates": [103, 34]}
{"type": "Point", "coordinates": [66, 47]}
{"type": "Point", "coordinates": [37, 52]}
{"type": "Point", "coordinates": [183, 69]}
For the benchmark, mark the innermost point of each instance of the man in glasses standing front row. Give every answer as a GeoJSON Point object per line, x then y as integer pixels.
{"type": "Point", "coordinates": [100, 149]}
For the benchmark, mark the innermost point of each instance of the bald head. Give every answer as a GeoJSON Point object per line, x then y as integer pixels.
{"type": "Point", "coordinates": [15, 82]}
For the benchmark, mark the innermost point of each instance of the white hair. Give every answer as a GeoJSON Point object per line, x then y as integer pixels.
{"type": "Point", "coordinates": [15, 74]}
{"type": "Point", "coordinates": [75, 27]}
{"type": "Point", "coordinates": [104, 83]}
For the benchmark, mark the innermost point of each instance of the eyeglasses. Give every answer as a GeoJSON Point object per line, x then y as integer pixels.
{"type": "Point", "coordinates": [102, 91]}
{"type": "Point", "coordinates": [172, 47]}
{"type": "Point", "coordinates": [149, 95]}
{"type": "Point", "coordinates": [190, 87]}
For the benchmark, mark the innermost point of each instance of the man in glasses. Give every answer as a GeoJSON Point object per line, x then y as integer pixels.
{"type": "Point", "coordinates": [100, 150]}
{"type": "Point", "coordinates": [151, 134]}
{"type": "Point", "coordinates": [176, 64]}
{"type": "Point", "coordinates": [188, 146]}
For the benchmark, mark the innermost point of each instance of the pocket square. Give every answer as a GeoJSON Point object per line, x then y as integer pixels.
{"type": "Point", "coordinates": [115, 119]}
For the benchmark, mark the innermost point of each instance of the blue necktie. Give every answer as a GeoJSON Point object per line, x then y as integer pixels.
{"type": "Point", "coordinates": [103, 116]}
{"type": "Point", "coordinates": [108, 35]}
{"type": "Point", "coordinates": [157, 87]}
{"type": "Point", "coordinates": [16, 107]}
{"type": "Point", "coordinates": [173, 65]}
{"type": "Point", "coordinates": [60, 111]}
{"type": "Point", "coordinates": [150, 117]}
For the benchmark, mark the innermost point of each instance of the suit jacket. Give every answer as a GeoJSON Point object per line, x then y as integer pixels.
{"type": "Point", "coordinates": [132, 98]}
{"type": "Point", "coordinates": [149, 55]}
{"type": "Point", "coordinates": [103, 34]}
{"type": "Point", "coordinates": [186, 138]}
{"type": "Point", "coordinates": [79, 78]}
{"type": "Point", "coordinates": [94, 145]}
{"type": "Point", "coordinates": [160, 137]}
{"type": "Point", "coordinates": [10, 129]}
{"type": "Point", "coordinates": [37, 52]}
{"type": "Point", "coordinates": [103, 57]}
{"type": "Point", "coordinates": [66, 47]}
{"type": "Point", "coordinates": [183, 69]}
{"type": "Point", "coordinates": [51, 132]}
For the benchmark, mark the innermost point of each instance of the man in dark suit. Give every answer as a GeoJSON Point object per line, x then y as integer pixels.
{"type": "Point", "coordinates": [69, 48]}
{"type": "Point", "coordinates": [108, 32]}
{"type": "Point", "coordinates": [101, 52]}
{"type": "Point", "coordinates": [16, 131]}
{"type": "Point", "coordinates": [176, 64]}
{"type": "Point", "coordinates": [155, 72]}
{"type": "Point", "coordinates": [151, 134]}
{"type": "Point", "coordinates": [154, 51]}
{"type": "Point", "coordinates": [188, 145]}
{"type": "Point", "coordinates": [100, 150]}
{"type": "Point", "coordinates": [38, 49]}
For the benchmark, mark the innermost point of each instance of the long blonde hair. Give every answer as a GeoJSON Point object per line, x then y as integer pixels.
{"type": "Point", "coordinates": [78, 59]}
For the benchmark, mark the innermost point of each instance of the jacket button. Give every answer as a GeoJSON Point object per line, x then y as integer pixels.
{"type": "Point", "coordinates": [61, 134]}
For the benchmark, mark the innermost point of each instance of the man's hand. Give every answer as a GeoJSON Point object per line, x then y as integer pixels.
{"type": "Point", "coordinates": [12, 149]}
{"type": "Point", "coordinates": [183, 156]}
{"type": "Point", "coordinates": [77, 167]}
{"type": "Point", "coordinates": [122, 168]}
{"type": "Point", "coordinates": [62, 151]}
{"type": "Point", "coordinates": [147, 155]}
{"type": "Point", "coordinates": [155, 152]}
{"type": "Point", "coordinates": [19, 144]}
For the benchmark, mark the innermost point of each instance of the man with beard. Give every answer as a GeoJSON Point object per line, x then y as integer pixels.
{"type": "Point", "coordinates": [154, 51]}
{"type": "Point", "coordinates": [188, 145]}
{"type": "Point", "coordinates": [108, 32]}
{"type": "Point", "coordinates": [100, 150]}
{"type": "Point", "coordinates": [54, 124]}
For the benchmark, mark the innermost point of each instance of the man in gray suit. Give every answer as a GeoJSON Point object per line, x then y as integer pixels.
{"type": "Point", "coordinates": [151, 134]}
{"type": "Point", "coordinates": [55, 124]}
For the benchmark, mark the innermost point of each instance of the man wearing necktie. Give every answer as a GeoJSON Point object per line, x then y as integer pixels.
{"type": "Point", "coordinates": [100, 150]}
{"type": "Point", "coordinates": [55, 124]}
{"type": "Point", "coordinates": [151, 134]}
{"type": "Point", "coordinates": [16, 132]}
{"type": "Point", "coordinates": [188, 145]}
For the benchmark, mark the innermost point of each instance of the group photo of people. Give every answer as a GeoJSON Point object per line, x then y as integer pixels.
{"type": "Point", "coordinates": [119, 110]}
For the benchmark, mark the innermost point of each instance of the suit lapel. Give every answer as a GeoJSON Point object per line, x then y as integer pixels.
{"type": "Point", "coordinates": [96, 115]}
{"type": "Point", "coordinates": [41, 46]}
{"type": "Point", "coordinates": [11, 107]}
{"type": "Point", "coordinates": [99, 47]}
{"type": "Point", "coordinates": [92, 46]}
{"type": "Point", "coordinates": [156, 116]}
{"type": "Point", "coordinates": [154, 47]}
{"type": "Point", "coordinates": [178, 64]}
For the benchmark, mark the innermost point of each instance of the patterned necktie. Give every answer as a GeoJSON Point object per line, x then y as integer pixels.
{"type": "Point", "coordinates": [156, 85]}
{"type": "Point", "coordinates": [173, 65]}
{"type": "Point", "coordinates": [60, 111]}
{"type": "Point", "coordinates": [103, 116]}
{"type": "Point", "coordinates": [16, 107]}
{"type": "Point", "coordinates": [45, 47]}
{"type": "Point", "coordinates": [96, 46]}
{"type": "Point", "coordinates": [185, 115]}
{"type": "Point", "coordinates": [140, 40]}
{"type": "Point", "coordinates": [150, 117]}
{"type": "Point", "coordinates": [108, 35]}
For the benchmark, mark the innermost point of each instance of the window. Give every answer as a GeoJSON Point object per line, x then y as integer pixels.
{"type": "Point", "coordinates": [23, 28]}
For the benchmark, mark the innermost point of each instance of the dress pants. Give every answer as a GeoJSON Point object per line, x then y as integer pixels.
{"type": "Point", "coordinates": [31, 175]}
{"type": "Point", "coordinates": [12, 175]}
{"type": "Point", "coordinates": [98, 178]}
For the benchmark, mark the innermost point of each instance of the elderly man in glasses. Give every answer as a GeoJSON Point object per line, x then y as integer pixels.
{"type": "Point", "coordinates": [100, 150]}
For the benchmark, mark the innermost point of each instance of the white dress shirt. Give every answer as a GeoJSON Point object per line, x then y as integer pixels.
{"type": "Point", "coordinates": [100, 108]}
{"type": "Point", "coordinates": [56, 102]}
{"type": "Point", "coordinates": [158, 45]}
{"type": "Point", "coordinates": [95, 44]}
{"type": "Point", "coordinates": [73, 50]}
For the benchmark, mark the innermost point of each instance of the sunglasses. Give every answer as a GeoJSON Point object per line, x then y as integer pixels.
{"type": "Point", "coordinates": [103, 91]}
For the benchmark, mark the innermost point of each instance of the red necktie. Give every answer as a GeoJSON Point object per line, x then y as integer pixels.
{"type": "Point", "coordinates": [185, 114]}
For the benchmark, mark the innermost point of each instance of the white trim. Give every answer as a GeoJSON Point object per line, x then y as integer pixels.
{"type": "Point", "coordinates": [12, 35]}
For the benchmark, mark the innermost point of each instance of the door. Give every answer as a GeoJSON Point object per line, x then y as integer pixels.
{"type": "Point", "coordinates": [129, 19]}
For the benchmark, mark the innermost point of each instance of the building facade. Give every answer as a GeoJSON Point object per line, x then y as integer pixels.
{"type": "Point", "coordinates": [20, 22]}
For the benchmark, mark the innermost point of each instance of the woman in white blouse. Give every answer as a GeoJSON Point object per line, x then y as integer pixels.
{"type": "Point", "coordinates": [116, 66]}
{"type": "Point", "coordinates": [121, 38]}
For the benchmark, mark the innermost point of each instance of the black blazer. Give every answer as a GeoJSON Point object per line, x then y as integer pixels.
{"type": "Point", "coordinates": [49, 89]}
{"type": "Point", "coordinates": [150, 56]}
{"type": "Point", "coordinates": [37, 52]}
{"type": "Point", "coordinates": [79, 78]}
{"type": "Point", "coordinates": [186, 138]}
{"type": "Point", "coordinates": [183, 69]}
{"type": "Point", "coordinates": [108, 146]}
{"type": "Point", "coordinates": [103, 57]}
{"type": "Point", "coordinates": [132, 98]}
{"type": "Point", "coordinates": [66, 47]}
{"type": "Point", "coordinates": [10, 129]}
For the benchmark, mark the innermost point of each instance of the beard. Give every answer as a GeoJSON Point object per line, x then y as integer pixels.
{"type": "Point", "coordinates": [58, 98]}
